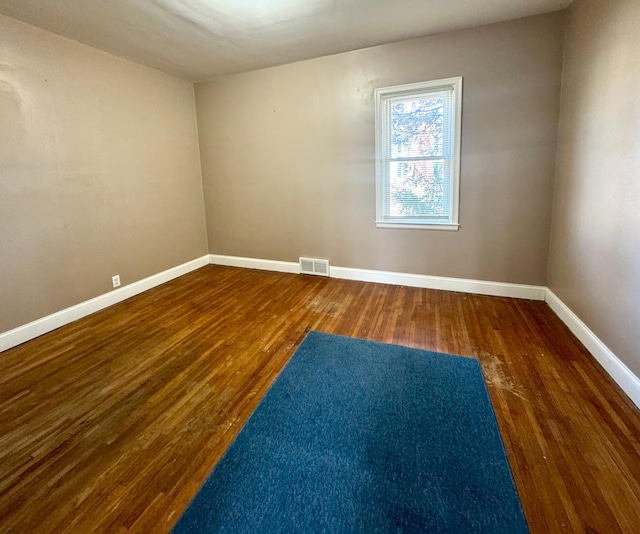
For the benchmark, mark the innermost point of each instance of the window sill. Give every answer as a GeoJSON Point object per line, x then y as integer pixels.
{"type": "Point", "coordinates": [414, 226]}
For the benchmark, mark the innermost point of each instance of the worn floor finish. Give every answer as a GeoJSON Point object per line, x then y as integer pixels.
{"type": "Point", "coordinates": [113, 422]}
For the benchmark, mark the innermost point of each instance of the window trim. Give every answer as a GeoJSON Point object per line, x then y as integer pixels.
{"type": "Point", "coordinates": [381, 122]}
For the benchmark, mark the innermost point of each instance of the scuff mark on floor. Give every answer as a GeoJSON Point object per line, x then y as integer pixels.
{"type": "Point", "coordinates": [321, 305]}
{"type": "Point", "coordinates": [494, 374]}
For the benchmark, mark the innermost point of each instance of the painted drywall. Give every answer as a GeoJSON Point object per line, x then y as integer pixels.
{"type": "Point", "coordinates": [99, 173]}
{"type": "Point", "coordinates": [201, 39]}
{"type": "Point", "coordinates": [594, 264]}
{"type": "Point", "coordinates": [288, 155]}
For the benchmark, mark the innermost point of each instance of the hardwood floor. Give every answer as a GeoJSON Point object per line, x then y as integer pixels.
{"type": "Point", "coordinates": [112, 423]}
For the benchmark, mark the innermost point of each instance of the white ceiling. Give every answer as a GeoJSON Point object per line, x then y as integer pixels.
{"type": "Point", "coordinates": [201, 39]}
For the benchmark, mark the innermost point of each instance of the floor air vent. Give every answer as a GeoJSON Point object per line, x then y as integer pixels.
{"type": "Point", "coordinates": [314, 266]}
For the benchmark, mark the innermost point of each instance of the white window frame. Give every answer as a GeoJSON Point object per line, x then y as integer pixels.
{"type": "Point", "coordinates": [383, 159]}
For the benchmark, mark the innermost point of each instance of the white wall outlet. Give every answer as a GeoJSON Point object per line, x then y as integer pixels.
{"type": "Point", "coordinates": [116, 280]}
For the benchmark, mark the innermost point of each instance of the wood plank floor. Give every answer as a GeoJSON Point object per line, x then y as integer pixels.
{"type": "Point", "coordinates": [112, 423]}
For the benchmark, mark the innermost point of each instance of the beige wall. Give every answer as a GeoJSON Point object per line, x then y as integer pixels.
{"type": "Point", "coordinates": [288, 155]}
{"type": "Point", "coordinates": [99, 173]}
{"type": "Point", "coordinates": [594, 263]}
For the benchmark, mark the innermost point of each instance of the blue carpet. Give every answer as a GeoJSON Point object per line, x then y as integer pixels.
{"type": "Point", "coordinates": [356, 436]}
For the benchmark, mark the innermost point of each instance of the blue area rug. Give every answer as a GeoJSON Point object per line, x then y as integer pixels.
{"type": "Point", "coordinates": [356, 436]}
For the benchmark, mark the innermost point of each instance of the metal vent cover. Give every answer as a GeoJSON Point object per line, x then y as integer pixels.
{"type": "Point", "coordinates": [315, 266]}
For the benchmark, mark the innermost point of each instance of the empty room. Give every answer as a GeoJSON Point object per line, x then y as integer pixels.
{"type": "Point", "coordinates": [319, 266]}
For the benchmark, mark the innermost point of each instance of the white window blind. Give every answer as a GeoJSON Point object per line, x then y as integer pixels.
{"type": "Point", "coordinates": [418, 154]}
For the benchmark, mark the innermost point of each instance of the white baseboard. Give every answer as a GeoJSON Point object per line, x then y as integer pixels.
{"type": "Point", "coordinates": [462, 285]}
{"type": "Point", "coordinates": [255, 263]}
{"type": "Point", "coordinates": [498, 289]}
{"type": "Point", "coordinates": [46, 324]}
{"type": "Point", "coordinates": [622, 375]}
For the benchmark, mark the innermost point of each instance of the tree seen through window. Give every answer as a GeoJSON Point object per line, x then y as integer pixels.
{"type": "Point", "coordinates": [416, 184]}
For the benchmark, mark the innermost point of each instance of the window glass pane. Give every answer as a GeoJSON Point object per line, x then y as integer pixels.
{"type": "Point", "coordinates": [417, 126]}
{"type": "Point", "coordinates": [418, 189]}
{"type": "Point", "coordinates": [417, 154]}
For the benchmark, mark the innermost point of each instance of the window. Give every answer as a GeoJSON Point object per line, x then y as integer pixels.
{"type": "Point", "coordinates": [418, 154]}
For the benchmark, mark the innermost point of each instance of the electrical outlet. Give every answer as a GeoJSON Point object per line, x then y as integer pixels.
{"type": "Point", "coordinates": [116, 280]}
